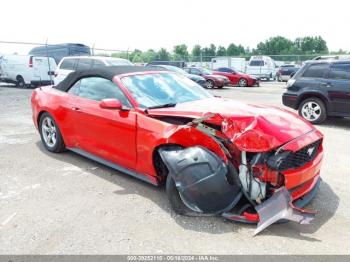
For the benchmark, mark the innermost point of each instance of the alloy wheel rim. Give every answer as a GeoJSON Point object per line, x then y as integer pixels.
{"type": "Point", "coordinates": [209, 84]}
{"type": "Point", "coordinates": [242, 82]}
{"type": "Point", "coordinates": [49, 132]}
{"type": "Point", "coordinates": [311, 111]}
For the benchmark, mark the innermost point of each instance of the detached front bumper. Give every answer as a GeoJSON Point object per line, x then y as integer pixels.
{"type": "Point", "coordinates": [300, 187]}
{"type": "Point", "coordinates": [299, 203]}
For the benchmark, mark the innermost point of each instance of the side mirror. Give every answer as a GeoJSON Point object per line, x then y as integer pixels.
{"type": "Point", "coordinates": [111, 104]}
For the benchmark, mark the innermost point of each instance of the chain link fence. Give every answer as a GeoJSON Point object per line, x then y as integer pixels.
{"type": "Point", "coordinates": [58, 51]}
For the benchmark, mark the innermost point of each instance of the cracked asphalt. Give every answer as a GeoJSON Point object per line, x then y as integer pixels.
{"type": "Point", "coordinates": [66, 204]}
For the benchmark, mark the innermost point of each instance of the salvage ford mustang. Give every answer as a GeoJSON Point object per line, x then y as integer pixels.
{"type": "Point", "coordinates": [247, 163]}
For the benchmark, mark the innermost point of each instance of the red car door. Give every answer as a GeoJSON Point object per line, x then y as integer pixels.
{"type": "Point", "coordinates": [234, 77]}
{"type": "Point", "coordinates": [106, 133]}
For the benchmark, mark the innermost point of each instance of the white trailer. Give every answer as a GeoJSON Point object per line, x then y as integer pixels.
{"type": "Point", "coordinates": [237, 63]}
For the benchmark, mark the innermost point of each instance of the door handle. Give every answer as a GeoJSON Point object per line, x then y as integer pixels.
{"type": "Point", "coordinates": [326, 84]}
{"type": "Point", "coordinates": [75, 108]}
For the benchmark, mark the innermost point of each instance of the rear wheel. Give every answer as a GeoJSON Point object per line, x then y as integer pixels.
{"type": "Point", "coordinates": [210, 84]}
{"type": "Point", "coordinates": [50, 134]}
{"type": "Point", "coordinates": [20, 82]}
{"type": "Point", "coordinates": [313, 110]}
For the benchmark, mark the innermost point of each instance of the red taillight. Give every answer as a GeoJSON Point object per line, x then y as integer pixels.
{"type": "Point", "coordinates": [30, 61]}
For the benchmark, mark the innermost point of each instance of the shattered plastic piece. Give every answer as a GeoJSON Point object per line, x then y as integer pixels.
{"type": "Point", "coordinates": [200, 177]}
{"type": "Point", "coordinates": [279, 207]}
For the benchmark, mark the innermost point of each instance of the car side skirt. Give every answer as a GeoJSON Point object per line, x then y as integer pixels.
{"type": "Point", "coordinates": [148, 179]}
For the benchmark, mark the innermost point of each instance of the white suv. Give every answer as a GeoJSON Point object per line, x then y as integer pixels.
{"type": "Point", "coordinates": [72, 63]}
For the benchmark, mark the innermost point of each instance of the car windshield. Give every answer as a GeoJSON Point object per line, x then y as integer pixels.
{"type": "Point", "coordinates": [156, 90]}
{"type": "Point", "coordinates": [206, 71]}
{"type": "Point", "coordinates": [256, 63]}
{"type": "Point", "coordinates": [117, 62]}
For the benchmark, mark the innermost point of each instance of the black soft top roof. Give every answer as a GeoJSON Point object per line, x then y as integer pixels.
{"type": "Point", "coordinates": [107, 72]}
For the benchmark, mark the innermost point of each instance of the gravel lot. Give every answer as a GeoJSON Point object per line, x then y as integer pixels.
{"type": "Point", "coordinates": [66, 204]}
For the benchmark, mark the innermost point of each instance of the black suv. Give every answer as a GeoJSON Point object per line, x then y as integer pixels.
{"type": "Point", "coordinates": [320, 89]}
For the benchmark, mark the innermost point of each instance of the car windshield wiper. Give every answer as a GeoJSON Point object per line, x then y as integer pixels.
{"type": "Point", "coordinates": [161, 106]}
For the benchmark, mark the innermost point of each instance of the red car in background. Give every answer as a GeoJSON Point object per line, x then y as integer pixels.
{"type": "Point", "coordinates": [212, 79]}
{"type": "Point", "coordinates": [236, 77]}
{"type": "Point", "coordinates": [217, 156]}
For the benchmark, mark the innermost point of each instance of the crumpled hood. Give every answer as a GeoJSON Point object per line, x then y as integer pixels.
{"type": "Point", "coordinates": [253, 128]}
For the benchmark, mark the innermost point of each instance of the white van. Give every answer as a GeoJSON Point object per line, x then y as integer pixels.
{"type": "Point", "coordinates": [27, 70]}
{"type": "Point", "coordinates": [261, 67]}
{"type": "Point", "coordinates": [72, 63]}
{"type": "Point", "coordinates": [237, 63]}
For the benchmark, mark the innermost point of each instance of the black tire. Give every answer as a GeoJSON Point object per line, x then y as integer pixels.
{"type": "Point", "coordinates": [210, 84]}
{"type": "Point", "coordinates": [59, 145]}
{"type": "Point", "coordinates": [20, 82]}
{"type": "Point", "coordinates": [175, 200]}
{"type": "Point", "coordinates": [314, 101]}
{"type": "Point", "coordinates": [242, 82]}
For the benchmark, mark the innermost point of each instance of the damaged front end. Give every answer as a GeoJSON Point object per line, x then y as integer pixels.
{"type": "Point", "coordinates": [250, 179]}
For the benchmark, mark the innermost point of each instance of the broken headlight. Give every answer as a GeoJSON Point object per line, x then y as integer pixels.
{"type": "Point", "coordinates": [276, 161]}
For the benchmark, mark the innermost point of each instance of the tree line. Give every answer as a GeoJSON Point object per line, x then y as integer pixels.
{"type": "Point", "coordinates": [278, 46]}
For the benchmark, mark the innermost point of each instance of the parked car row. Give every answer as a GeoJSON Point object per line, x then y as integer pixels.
{"type": "Point", "coordinates": [212, 79]}
{"type": "Point", "coordinates": [319, 89]}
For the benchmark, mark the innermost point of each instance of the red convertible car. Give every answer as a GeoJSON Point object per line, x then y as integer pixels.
{"type": "Point", "coordinates": [217, 156]}
{"type": "Point", "coordinates": [236, 77]}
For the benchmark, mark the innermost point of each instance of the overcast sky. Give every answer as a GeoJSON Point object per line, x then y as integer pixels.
{"type": "Point", "coordinates": [144, 24]}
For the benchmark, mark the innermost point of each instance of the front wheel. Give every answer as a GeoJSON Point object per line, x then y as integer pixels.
{"type": "Point", "coordinates": [50, 134]}
{"type": "Point", "coordinates": [313, 110]}
{"type": "Point", "coordinates": [210, 84]}
{"type": "Point", "coordinates": [175, 200]}
{"type": "Point", "coordinates": [242, 82]}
